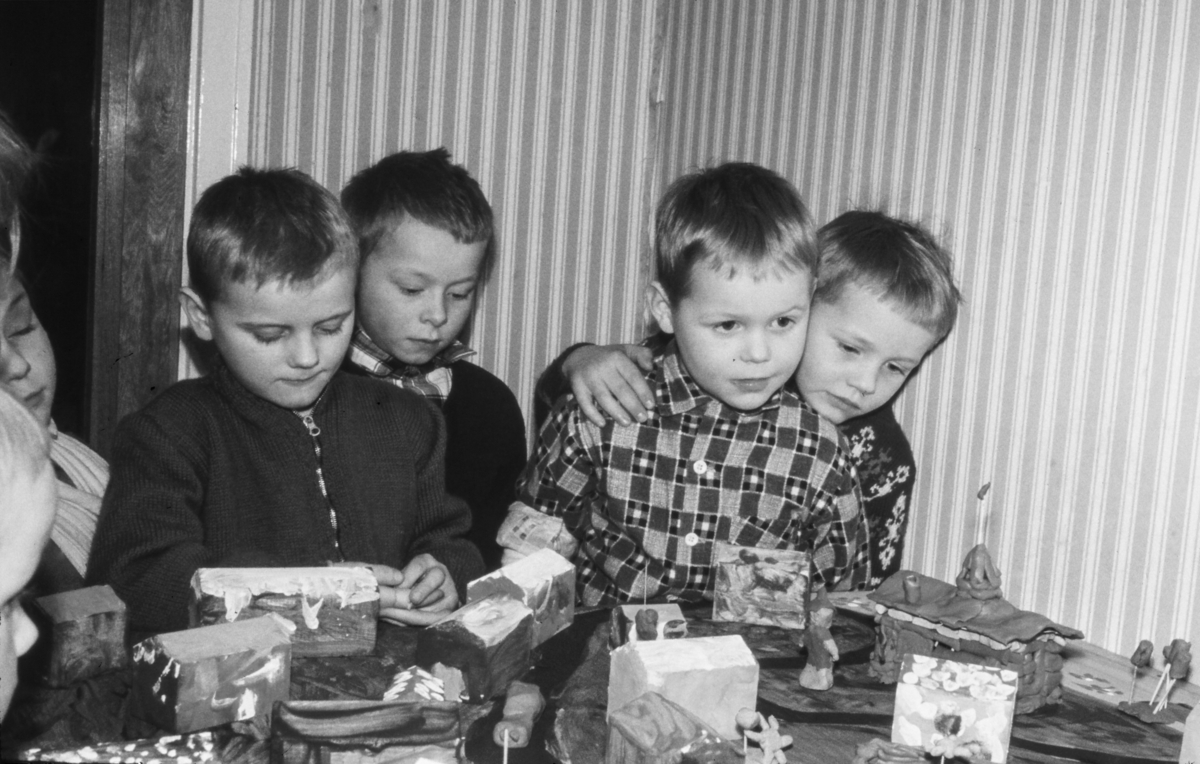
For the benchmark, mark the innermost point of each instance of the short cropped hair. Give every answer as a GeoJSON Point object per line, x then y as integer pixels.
{"type": "Point", "coordinates": [899, 260]}
{"type": "Point", "coordinates": [266, 225]}
{"type": "Point", "coordinates": [425, 186]}
{"type": "Point", "coordinates": [729, 216]}
{"type": "Point", "coordinates": [24, 446]}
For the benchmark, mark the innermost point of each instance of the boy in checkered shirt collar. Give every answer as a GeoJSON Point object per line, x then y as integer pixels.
{"type": "Point", "coordinates": [733, 452]}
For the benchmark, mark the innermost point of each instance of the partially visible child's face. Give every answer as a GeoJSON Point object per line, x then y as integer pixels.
{"type": "Point", "coordinates": [417, 289]}
{"type": "Point", "coordinates": [739, 338]}
{"type": "Point", "coordinates": [27, 367]}
{"type": "Point", "coordinates": [860, 351]}
{"type": "Point", "coordinates": [25, 521]}
{"type": "Point", "coordinates": [282, 341]}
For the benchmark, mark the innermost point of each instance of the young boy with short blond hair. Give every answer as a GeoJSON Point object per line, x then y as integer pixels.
{"type": "Point", "coordinates": [277, 458]}
{"type": "Point", "coordinates": [885, 298]}
{"type": "Point", "coordinates": [733, 453]}
{"type": "Point", "coordinates": [427, 240]}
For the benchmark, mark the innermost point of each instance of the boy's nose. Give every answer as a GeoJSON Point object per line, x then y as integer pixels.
{"type": "Point", "coordinates": [13, 365]}
{"type": "Point", "coordinates": [435, 311]}
{"type": "Point", "coordinates": [25, 632]}
{"type": "Point", "coordinates": [304, 352]}
{"type": "Point", "coordinates": [864, 381]}
{"type": "Point", "coordinates": [756, 348]}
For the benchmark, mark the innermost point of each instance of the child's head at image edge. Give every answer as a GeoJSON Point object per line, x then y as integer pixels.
{"type": "Point", "coordinates": [735, 252]}
{"type": "Point", "coordinates": [426, 233]}
{"type": "Point", "coordinates": [27, 503]}
{"type": "Point", "coordinates": [884, 299]}
{"type": "Point", "coordinates": [273, 264]}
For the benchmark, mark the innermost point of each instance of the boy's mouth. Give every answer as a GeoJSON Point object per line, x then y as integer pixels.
{"type": "Point", "coordinates": [752, 385]}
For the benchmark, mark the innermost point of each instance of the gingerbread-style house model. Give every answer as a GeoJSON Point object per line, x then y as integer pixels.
{"type": "Point", "coordinates": [969, 621]}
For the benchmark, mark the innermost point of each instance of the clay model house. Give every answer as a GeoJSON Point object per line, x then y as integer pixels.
{"type": "Point", "coordinates": [924, 616]}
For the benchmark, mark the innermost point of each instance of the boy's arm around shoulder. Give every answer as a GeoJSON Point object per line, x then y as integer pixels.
{"type": "Point", "coordinates": [150, 536]}
{"type": "Point", "coordinates": [837, 526]}
{"type": "Point", "coordinates": [442, 520]}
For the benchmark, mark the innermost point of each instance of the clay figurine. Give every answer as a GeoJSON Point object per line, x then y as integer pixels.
{"type": "Point", "coordinates": [979, 576]}
{"type": "Point", "coordinates": [767, 735]}
{"type": "Point", "coordinates": [522, 706]}
{"type": "Point", "coordinates": [817, 673]}
{"type": "Point", "coordinates": [1140, 660]}
{"type": "Point", "coordinates": [1179, 661]}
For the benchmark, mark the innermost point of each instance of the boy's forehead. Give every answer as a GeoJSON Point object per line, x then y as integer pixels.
{"type": "Point", "coordinates": [291, 297]}
{"type": "Point", "coordinates": [870, 315]}
{"type": "Point", "coordinates": [746, 285]}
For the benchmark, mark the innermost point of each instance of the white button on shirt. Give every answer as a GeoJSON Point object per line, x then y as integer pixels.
{"type": "Point", "coordinates": [699, 467]}
{"type": "Point", "coordinates": [692, 539]}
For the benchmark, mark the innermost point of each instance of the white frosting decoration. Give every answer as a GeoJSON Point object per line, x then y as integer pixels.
{"type": "Point", "coordinates": [238, 586]}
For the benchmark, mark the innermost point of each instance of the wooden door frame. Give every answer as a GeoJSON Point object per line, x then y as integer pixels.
{"type": "Point", "coordinates": [140, 203]}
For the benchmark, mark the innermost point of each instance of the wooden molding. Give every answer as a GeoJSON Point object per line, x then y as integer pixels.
{"type": "Point", "coordinates": [140, 186]}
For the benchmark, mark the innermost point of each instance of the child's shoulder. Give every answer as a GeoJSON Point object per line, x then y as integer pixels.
{"type": "Point", "coordinates": [477, 388]}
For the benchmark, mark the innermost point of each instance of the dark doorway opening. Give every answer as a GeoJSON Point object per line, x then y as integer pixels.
{"type": "Point", "coordinates": [48, 68]}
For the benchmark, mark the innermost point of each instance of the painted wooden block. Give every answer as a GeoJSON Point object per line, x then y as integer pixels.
{"type": "Point", "coordinates": [490, 641]}
{"type": "Point", "coordinates": [415, 685]}
{"type": "Point", "coordinates": [334, 609]}
{"type": "Point", "coordinates": [630, 623]}
{"type": "Point", "coordinates": [198, 678]}
{"type": "Point", "coordinates": [544, 581]}
{"type": "Point", "coordinates": [652, 730]}
{"type": "Point", "coordinates": [765, 586]}
{"type": "Point", "coordinates": [712, 677]}
{"type": "Point", "coordinates": [86, 629]}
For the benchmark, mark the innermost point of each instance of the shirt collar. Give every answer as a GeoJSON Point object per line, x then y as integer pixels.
{"type": "Point", "coordinates": [676, 392]}
{"type": "Point", "coordinates": [377, 362]}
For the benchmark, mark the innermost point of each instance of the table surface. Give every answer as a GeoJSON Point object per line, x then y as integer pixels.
{"type": "Point", "coordinates": [826, 727]}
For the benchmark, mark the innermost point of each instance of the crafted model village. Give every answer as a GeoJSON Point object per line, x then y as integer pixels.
{"type": "Point", "coordinates": [648, 683]}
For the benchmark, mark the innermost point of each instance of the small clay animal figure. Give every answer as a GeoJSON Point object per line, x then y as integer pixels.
{"type": "Point", "coordinates": [817, 673]}
{"type": "Point", "coordinates": [767, 735]}
{"type": "Point", "coordinates": [646, 624]}
{"type": "Point", "coordinates": [979, 577]}
{"type": "Point", "coordinates": [1178, 655]}
{"type": "Point", "coordinates": [1140, 660]}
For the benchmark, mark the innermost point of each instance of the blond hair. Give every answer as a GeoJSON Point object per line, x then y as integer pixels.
{"type": "Point", "coordinates": [24, 453]}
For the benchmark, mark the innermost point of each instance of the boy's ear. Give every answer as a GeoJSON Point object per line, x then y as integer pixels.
{"type": "Point", "coordinates": [197, 313]}
{"type": "Point", "coordinates": [660, 307]}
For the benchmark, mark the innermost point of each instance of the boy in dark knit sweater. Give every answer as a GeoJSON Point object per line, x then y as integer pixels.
{"type": "Point", "coordinates": [277, 458]}
{"type": "Point", "coordinates": [885, 297]}
{"type": "Point", "coordinates": [425, 230]}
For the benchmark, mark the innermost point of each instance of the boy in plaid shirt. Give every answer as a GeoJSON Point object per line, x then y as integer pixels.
{"type": "Point", "coordinates": [733, 453]}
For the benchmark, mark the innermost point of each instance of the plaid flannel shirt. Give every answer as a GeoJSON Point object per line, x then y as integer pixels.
{"type": "Point", "coordinates": [433, 380]}
{"type": "Point", "coordinates": [646, 501]}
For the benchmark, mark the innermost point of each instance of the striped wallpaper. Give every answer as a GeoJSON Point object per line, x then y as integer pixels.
{"type": "Point", "coordinates": [1052, 144]}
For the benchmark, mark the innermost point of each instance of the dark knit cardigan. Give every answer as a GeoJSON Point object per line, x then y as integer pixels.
{"type": "Point", "coordinates": [485, 450]}
{"type": "Point", "coordinates": [208, 474]}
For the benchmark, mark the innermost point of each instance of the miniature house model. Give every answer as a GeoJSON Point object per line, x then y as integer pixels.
{"type": "Point", "coordinates": [969, 621]}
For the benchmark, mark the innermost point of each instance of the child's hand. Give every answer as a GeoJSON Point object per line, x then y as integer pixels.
{"type": "Point", "coordinates": [611, 376]}
{"type": "Point", "coordinates": [418, 595]}
{"type": "Point", "coordinates": [430, 593]}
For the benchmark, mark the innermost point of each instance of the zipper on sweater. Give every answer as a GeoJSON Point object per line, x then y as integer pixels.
{"type": "Point", "coordinates": [315, 432]}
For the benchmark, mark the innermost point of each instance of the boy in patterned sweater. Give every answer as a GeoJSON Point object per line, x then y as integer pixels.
{"type": "Point", "coordinates": [885, 298]}
{"type": "Point", "coordinates": [733, 453]}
